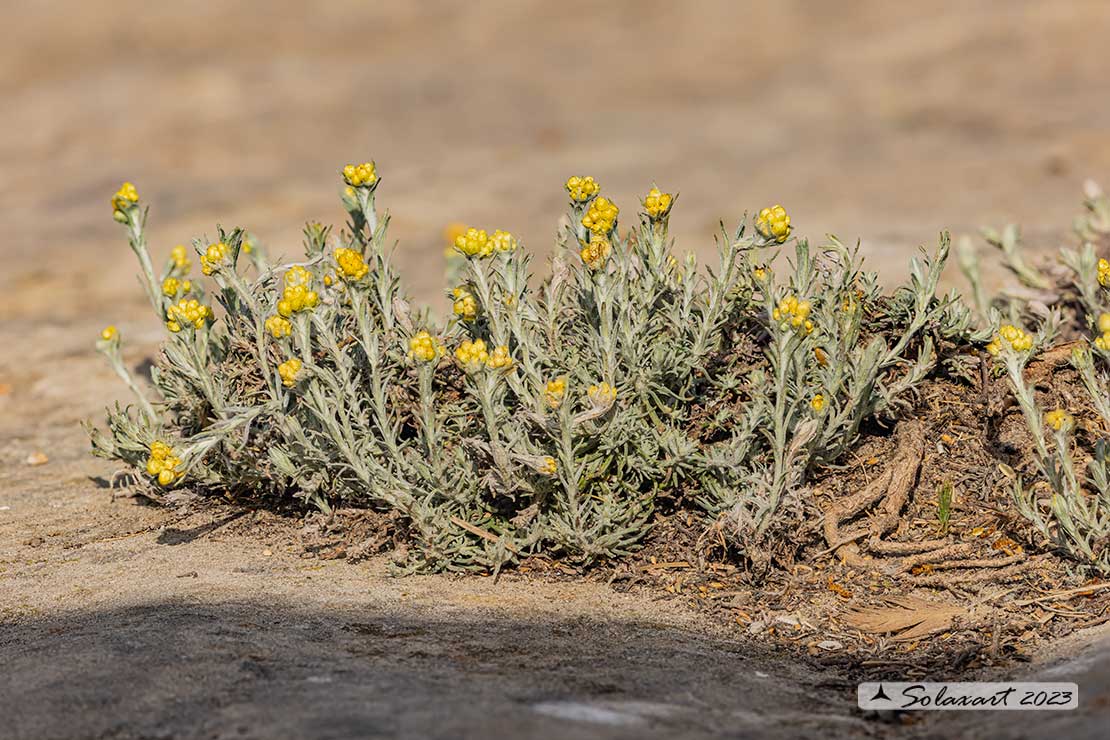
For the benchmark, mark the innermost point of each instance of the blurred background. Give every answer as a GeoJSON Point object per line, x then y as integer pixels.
{"type": "Point", "coordinates": [877, 120]}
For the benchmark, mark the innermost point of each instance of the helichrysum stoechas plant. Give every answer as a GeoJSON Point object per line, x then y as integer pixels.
{"type": "Point", "coordinates": [535, 419]}
{"type": "Point", "coordinates": [1072, 302]}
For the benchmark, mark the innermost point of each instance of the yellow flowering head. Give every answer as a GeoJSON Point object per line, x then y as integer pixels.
{"type": "Point", "coordinates": [1104, 273]}
{"type": "Point", "coordinates": [126, 198]}
{"type": "Point", "coordinates": [423, 347]}
{"type": "Point", "coordinates": [187, 313]}
{"type": "Point", "coordinates": [350, 264]}
{"type": "Point", "coordinates": [792, 313]}
{"type": "Point", "coordinates": [773, 223]}
{"type": "Point", "coordinates": [554, 391]}
{"type": "Point", "coordinates": [163, 465]}
{"type": "Point", "coordinates": [1059, 419]}
{"type": "Point", "coordinates": [581, 189]}
{"type": "Point", "coordinates": [1102, 342]}
{"type": "Point", "coordinates": [465, 304]}
{"type": "Point", "coordinates": [602, 395]}
{"type": "Point", "coordinates": [297, 298]}
{"type": "Point", "coordinates": [472, 355]}
{"type": "Point", "coordinates": [279, 326]}
{"type": "Point", "coordinates": [1012, 337]}
{"type": "Point", "coordinates": [360, 175]}
{"type": "Point", "coordinates": [503, 241]}
{"type": "Point", "coordinates": [474, 243]}
{"type": "Point", "coordinates": [109, 333]}
{"type": "Point", "coordinates": [180, 258]}
{"type": "Point", "coordinates": [601, 219]}
{"type": "Point", "coordinates": [759, 272]}
{"type": "Point", "coordinates": [657, 204]}
{"type": "Point", "coordinates": [288, 371]}
{"type": "Point", "coordinates": [595, 253]}
{"type": "Point", "coordinates": [547, 466]}
{"type": "Point", "coordinates": [1103, 323]}
{"type": "Point", "coordinates": [171, 286]}
{"type": "Point", "coordinates": [818, 403]}
{"type": "Point", "coordinates": [213, 257]}
{"type": "Point", "coordinates": [499, 359]}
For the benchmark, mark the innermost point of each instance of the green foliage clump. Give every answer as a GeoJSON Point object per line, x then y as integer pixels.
{"type": "Point", "coordinates": [549, 417]}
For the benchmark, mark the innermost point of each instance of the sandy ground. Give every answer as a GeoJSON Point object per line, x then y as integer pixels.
{"type": "Point", "coordinates": [877, 120]}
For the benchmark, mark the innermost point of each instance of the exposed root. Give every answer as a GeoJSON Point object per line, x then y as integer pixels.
{"type": "Point", "coordinates": [889, 494]}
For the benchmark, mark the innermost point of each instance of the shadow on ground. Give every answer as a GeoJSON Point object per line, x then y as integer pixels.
{"type": "Point", "coordinates": [178, 670]}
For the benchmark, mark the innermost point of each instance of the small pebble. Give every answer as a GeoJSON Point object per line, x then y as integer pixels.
{"type": "Point", "coordinates": [267, 553]}
{"type": "Point", "coordinates": [37, 458]}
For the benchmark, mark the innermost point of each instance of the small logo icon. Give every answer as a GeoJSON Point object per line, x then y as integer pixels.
{"type": "Point", "coordinates": [880, 694]}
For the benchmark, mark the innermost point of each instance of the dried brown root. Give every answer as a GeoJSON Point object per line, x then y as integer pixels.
{"type": "Point", "coordinates": [882, 547]}
{"type": "Point", "coordinates": [999, 575]}
{"type": "Point", "coordinates": [892, 487]}
{"type": "Point", "coordinates": [890, 492]}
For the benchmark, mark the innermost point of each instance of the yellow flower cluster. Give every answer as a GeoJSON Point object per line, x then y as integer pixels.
{"type": "Point", "coordinates": [601, 395]}
{"type": "Point", "coordinates": [548, 466]}
{"type": "Point", "coordinates": [1009, 334]}
{"type": "Point", "coordinates": [173, 287]}
{"type": "Point", "coordinates": [424, 347]}
{"type": "Point", "coordinates": [472, 354]}
{"type": "Point", "coordinates": [759, 272]}
{"type": "Point", "coordinates": [465, 305]}
{"type": "Point", "coordinates": [1104, 273]}
{"type": "Point", "coordinates": [657, 204]}
{"type": "Point", "coordinates": [187, 313]}
{"type": "Point", "coordinates": [596, 253]}
{"type": "Point", "coordinates": [794, 312]}
{"type": "Point", "coordinates": [503, 241]}
{"type": "Point", "coordinates": [180, 258]}
{"type": "Point", "coordinates": [500, 359]}
{"type": "Point", "coordinates": [1103, 341]}
{"type": "Point", "coordinates": [163, 464]}
{"type": "Point", "coordinates": [581, 189]}
{"type": "Point", "coordinates": [1059, 419]}
{"type": "Point", "coordinates": [773, 223]}
{"type": "Point", "coordinates": [474, 243]}
{"type": "Point", "coordinates": [125, 198]}
{"type": "Point", "coordinates": [817, 403]}
{"type": "Point", "coordinates": [358, 175]}
{"type": "Point", "coordinates": [213, 256]}
{"type": "Point", "coordinates": [351, 265]}
{"type": "Point", "coordinates": [109, 333]}
{"type": "Point", "coordinates": [288, 371]}
{"type": "Point", "coordinates": [554, 390]}
{"type": "Point", "coordinates": [279, 326]}
{"type": "Point", "coordinates": [602, 216]}
{"type": "Point", "coordinates": [298, 294]}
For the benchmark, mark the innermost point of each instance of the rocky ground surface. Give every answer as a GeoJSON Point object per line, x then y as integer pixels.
{"type": "Point", "coordinates": [120, 620]}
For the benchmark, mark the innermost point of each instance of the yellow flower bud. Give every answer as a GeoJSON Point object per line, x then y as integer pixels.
{"type": "Point", "coordinates": [582, 189]}
{"type": "Point", "coordinates": [360, 175]}
{"type": "Point", "coordinates": [351, 266]}
{"type": "Point", "coordinates": [554, 391]}
{"type": "Point", "coordinates": [288, 371]}
{"type": "Point", "coordinates": [773, 223]}
{"type": "Point", "coordinates": [474, 243]}
{"type": "Point", "coordinates": [657, 204]}
{"type": "Point", "coordinates": [601, 218]}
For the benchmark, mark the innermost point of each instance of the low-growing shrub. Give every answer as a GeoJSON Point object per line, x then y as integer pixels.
{"type": "Point", "coordinates": [553, 416]}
